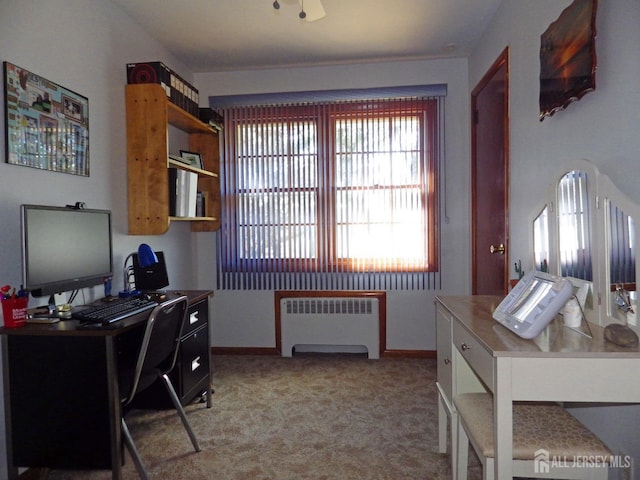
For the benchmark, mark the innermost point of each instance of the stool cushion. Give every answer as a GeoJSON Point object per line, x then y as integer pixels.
{"type": "Point", "coordinates": [536, 425]}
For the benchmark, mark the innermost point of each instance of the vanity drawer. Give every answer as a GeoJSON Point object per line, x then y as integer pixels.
{"type": "Point", "coordinates": [444, 350]}
{"type": "Point", "coordinates": [479, 359]}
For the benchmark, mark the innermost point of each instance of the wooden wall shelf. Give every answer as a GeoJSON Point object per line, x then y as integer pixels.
{"type": "Point", "coordinates": [149, 114]}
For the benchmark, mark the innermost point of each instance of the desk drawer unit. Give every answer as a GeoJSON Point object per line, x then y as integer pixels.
{"type": "Point", "coordinates": [474, 353]}
{"type": "Point", "coordinates": [190, 376]}
{"type": "Point", "coordinates": [194, 364]}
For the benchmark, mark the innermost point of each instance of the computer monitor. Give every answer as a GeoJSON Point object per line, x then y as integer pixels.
{"type": "Point", "coordinates": [64, 249]}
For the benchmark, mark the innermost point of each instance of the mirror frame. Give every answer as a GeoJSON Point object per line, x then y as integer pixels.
{"type": "Point", "coordinates": [609, 193]}
{"type": "Point", "coordinates": [600, 191]}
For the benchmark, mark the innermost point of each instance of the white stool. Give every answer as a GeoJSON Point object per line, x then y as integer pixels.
{"type": "Point", "coordinates": [541, 432]}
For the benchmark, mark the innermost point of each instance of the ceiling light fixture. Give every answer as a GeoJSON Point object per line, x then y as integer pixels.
{"type": "Point", "coordinates": [314, 11]}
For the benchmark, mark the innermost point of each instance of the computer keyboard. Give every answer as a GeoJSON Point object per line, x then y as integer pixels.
{"type": "Point", "coordinates": [114, 310]}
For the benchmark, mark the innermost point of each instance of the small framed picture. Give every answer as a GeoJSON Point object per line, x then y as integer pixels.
{"type": "Point", "coordinates": [193, 159]}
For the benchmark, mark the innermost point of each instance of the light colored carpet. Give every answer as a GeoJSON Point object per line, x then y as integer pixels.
{"type": "Point", "coordinates": [314, 417]}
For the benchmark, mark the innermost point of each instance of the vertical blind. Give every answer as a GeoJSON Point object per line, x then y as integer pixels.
{"type": "Point", "coordinates": [334, 195]}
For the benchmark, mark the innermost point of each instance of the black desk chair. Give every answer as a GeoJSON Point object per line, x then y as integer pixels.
{"type": "Point", "coordinates": [156, 358]}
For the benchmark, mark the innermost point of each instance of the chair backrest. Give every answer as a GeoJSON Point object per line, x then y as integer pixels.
{"type": "Point", "coordinates": [159, 346]}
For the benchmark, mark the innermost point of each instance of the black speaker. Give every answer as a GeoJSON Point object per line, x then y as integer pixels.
{"type": "Point", "coordinates": [153, 277]}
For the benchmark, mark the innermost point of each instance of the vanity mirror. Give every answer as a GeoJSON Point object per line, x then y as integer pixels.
{"type": "Point", "coordinates": [621, 261]}
{"type": "Point", "coordinates": [541, 240]}
{"type": "Point", "coordinates": [586, 230]}
{"type": "Point", "coordinates": [622, 248]}
{"type": "Point", "coordinates": [574, 241]}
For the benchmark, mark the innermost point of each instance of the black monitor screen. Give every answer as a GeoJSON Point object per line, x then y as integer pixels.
{"type": "Point", "coordinates": [64, 249]}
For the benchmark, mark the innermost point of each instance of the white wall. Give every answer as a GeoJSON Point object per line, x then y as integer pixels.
{"type": "Point", "coordinates": [83, 45]}
{"type": "Point", "coordinates": [601, 127]}
{"type": "Point", "coordinates": [246, 318]}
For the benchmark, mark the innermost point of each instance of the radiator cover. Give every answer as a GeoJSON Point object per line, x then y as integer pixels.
{"type": "Point", "coordinates": [336, 322]}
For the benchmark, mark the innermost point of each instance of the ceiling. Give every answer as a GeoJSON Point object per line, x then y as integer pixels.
{"type": "Point", "coordinates": [219, 35]}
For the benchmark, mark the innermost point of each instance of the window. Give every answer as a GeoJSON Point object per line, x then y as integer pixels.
{"type": "Point", "coordinates": [324, 193]}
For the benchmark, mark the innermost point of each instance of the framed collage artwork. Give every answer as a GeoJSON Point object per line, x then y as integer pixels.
{"type": "Point", "coordinates": [46, 125]}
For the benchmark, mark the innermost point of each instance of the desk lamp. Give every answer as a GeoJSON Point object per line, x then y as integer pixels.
{"type": "Point", "coordinates": [148, 270]}
{"type": "Point", "coordinates": [146, 255]}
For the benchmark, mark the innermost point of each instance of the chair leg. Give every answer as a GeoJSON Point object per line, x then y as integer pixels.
{"type": "Point", "coordinates": [128, 440]}
{"type": "Point", "coordinates": [180, 410]}
{"type": "Point", "coordinates": [488, 467]}
{"type": "Point", "coordinates": [454, 444]}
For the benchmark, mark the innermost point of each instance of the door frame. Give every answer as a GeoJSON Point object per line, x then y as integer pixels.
{"type": "Point", "coordinates": [502, 60]}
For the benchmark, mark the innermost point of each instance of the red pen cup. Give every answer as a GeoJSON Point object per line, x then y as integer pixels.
{"type": "Point", "coordinates": [14, 311]}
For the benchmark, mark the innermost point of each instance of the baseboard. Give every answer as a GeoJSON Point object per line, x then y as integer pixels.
{"type": "Point", "coordinates": [244, 351]}
{"type": "Point", "coordinates": [275, 351]}
{"type": "Point", "coordinates": [408, 354]}
{"type": "Point", "coordinates": [34, 473]}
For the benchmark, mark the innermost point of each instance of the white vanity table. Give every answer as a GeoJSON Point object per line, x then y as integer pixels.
{"type": "Point", "coordinates": [475, 353]}
{"type": "Point", "coordinates": [585, 229]}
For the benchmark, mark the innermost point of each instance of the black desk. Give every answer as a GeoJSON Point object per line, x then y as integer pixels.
{"type": "Point", "coordinates": [62, 401]}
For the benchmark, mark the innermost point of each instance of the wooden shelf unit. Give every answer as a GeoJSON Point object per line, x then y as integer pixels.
{"type": "Point", "coordinates": [149, 115]}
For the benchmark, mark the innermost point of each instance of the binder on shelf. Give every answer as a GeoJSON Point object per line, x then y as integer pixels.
{"type": "Point", "coordinates": [150, 72]}
{"type": "Point", "coordinates": [179, 91]}
{"type": "Point", "coordinates": [191, 194]}
{"type": "Point", "coordinates": [183, 187]}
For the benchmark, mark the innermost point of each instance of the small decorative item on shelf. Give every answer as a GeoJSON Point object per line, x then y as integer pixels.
{"type": "Point", "coordinates": [178, 158]}
{"type": "Point", "coordinates": [14, 306]}
{"type": "Point", "coordinates": [192, 158]}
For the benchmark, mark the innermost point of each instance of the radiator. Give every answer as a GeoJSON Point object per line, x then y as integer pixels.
{"type": "Point", "coordinates": [341, 323]}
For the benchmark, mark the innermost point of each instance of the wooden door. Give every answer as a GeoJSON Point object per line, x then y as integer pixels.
{"type": "Point", "coordinates": [490, 180]}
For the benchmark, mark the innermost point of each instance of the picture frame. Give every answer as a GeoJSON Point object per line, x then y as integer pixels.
{"type": "Point", "coordinates": [568, 57]}
{"type": "Point", "coordinates": [194, 159]}
{"type": "Point", "coordinates": [178, 158]}
{"type": "Point", "coordinates": [46, 124]}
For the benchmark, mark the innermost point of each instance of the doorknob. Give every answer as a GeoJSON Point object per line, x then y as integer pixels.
{"type": "Point", "coordinates": [499, 249]}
